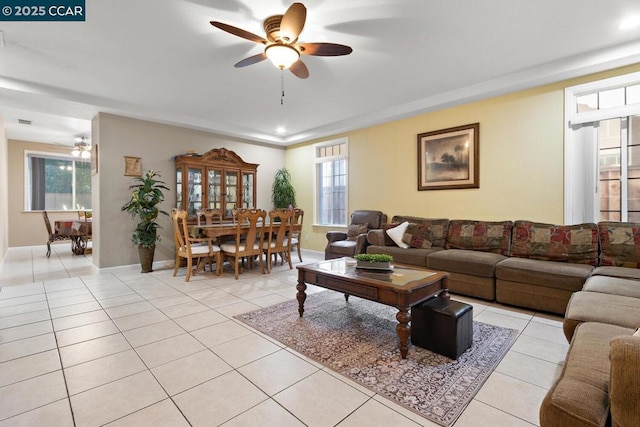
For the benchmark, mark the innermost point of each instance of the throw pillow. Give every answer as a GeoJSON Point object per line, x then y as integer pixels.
{"type": "Point", "coordinates": [396, 234]}
{"type": "Point", "coordinates": [480, 236]}
{"type": "Point", "coordinates": [437, 226]}
{"type": "Point", "coordinates": [620, 244]}
{"type": "Point", "coordinates": [549, 242]}
{"type": "Point", "coordinates": [418, 236]}
{"type": "Point", "coordinates": [354, 230]}
{"type": "Point", "coordinates": [385, 227]}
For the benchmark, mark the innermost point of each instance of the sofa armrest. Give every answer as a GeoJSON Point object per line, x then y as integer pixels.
{"type": "Point", "coordinates": [624, 383]}
{"type": "Point", "coordinates": [376, 237]}
{"type": "Point", "coordinates": [361, 244]}
{"type": "Point", "coordinates": [334, 236]}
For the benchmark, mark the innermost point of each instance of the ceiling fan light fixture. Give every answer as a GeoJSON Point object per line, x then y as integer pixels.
{"type": "Point", "coordinates": [282, 55]}
{"type": "Point", "coordinates": [81, 148]}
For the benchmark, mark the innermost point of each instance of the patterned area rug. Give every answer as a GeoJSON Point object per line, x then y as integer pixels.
{"type": "Point", "coordinates": [358, 339]}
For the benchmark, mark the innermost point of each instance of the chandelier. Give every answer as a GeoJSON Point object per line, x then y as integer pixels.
{"type": "Point", "coordinates": [81, 148]}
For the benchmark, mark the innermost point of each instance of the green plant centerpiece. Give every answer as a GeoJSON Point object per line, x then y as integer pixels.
{"type": "Point", "coordinates": [283, 194]}
{"type": "Point", "coordinates": [146, 196]}
{"type": "Point", "coordinates": [374, 261]}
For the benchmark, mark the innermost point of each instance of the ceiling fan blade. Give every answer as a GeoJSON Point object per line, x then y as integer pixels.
{"type": "Point", "coordinates": [324, 49]}
{"type": "Point", "coordinates": [293, 22]}
{"type": "Point", "coordinates": [238, 32]}
{"type": "Point", "coordinates": [251, 60]}
{"type": "Point", "coordinates": [299, 69]}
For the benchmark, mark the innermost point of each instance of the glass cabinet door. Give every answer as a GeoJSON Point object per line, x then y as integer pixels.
{"type": "Point", "coordinates": [214, 180]}
{"type": "Point", "coordinates": [195, 190]}
{"type": "Point", "coordinates": [179, 188]}
{"type": "Point", "coordinates": [231, 185]}
{"type": "Point", "coordinates": [247, 189]}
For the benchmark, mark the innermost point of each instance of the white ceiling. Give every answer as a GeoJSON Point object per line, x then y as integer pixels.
{"type": "Point", "coordinates": [161, 60]}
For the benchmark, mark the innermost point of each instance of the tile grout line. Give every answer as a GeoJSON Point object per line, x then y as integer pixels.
{"type": "Point", "coordinates": [55, 337]}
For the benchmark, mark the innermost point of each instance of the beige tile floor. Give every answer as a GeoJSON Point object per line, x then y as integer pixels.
{"type": "Point", "coordinates": [82, 346]}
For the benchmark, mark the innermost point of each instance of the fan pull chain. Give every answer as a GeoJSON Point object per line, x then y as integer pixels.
{"type": "Point", "coordinates": [282, 87]}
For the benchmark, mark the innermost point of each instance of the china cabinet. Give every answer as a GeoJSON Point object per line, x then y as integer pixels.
{"type": "Point", "coordinates": [218, 179]}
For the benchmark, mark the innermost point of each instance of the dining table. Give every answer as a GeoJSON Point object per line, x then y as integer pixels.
{"type": "Point", "coordinates": [215, 231]}
{"type": "Point", "coordinates": [77, 230]}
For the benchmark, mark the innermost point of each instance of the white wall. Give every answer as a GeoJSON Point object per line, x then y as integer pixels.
{"type": "Point", "coordinates": [4, 192]}
{"type": "Point", "coordinates": [156, 144]}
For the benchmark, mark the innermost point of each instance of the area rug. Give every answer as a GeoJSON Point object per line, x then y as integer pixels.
{"type": "Point", "coordinates": [358, 339]}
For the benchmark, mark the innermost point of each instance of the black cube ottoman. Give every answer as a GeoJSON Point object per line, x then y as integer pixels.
{"type": "Point", "coordinates": [443, 326]}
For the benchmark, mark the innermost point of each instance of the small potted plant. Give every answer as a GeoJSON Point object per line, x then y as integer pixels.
{"type": "Point", "coordinates": [145, 197]}
{"type": "Point", "coordinates": [374, 261]}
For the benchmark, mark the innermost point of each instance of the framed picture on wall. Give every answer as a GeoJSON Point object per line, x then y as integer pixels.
{"type": "Point", "coordinates": [94, 159]}
{"type": "Point", "coordinates": [449, 158]}
{"type": "Point", "coordinates": [132, 166]}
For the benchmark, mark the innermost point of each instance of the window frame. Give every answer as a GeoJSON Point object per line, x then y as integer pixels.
{"type": "Point", "coordinates": [572, 149]}
{"type": "Point", "coordinates": [316, 193]}
{"type": "Point", "coordinates": [28, 154]}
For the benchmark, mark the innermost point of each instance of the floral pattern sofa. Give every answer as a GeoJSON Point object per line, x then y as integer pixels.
{"type": "Point", "coordinates": [523, 263]}
{"type": "Point", "coordinates": [590, 273]}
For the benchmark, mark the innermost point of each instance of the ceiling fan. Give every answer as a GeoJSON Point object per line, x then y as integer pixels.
{"type": "Point", "coordinates": [281, 45]}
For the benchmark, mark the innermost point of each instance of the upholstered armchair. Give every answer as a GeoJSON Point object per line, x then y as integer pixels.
{"type": "Point", "coordinates": [354, 240]}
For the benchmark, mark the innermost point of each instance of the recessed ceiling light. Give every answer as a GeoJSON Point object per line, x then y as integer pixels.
{"type": "Point", "coordinates": [630, 22]}
{"type": "Point", "coordinates": [281, 130]}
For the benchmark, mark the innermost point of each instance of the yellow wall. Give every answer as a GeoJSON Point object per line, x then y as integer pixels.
{"type": "Point", "coordinates": [521, 162]}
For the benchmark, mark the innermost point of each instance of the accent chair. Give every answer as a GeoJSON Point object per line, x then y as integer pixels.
{"type": "Point", "coordinates": [353, 241]}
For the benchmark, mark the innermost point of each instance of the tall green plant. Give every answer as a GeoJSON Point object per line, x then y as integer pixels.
{"type": "Point", "coordinates": [283, 194]}
{"type": "Point", "coordinates": [146, 196]}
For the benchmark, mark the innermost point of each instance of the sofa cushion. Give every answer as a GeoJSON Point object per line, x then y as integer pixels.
{"type": "Point", "coordinates": [418, 236]}
{"type": "Point", "coordinates": [476, 263]}
{"type": "Point", "coordinates": [620, 243]}
{"type": "Point", "coordinates": [603, 308]}
{"type": "Point", "coordinates": [549, 242]}
{"type": "Point", "coordinates": [354, 230]}
{"type": "Point", "coordinates": [396, 234]}
{"type": "Point", "coordinates": [561, 275]}
{"type": "Point", "coordinates": [373, 219]}
{"type": "Point", "coordinates": [624, 382]}
{"type": "Point", "coordinates": [343, 247]}
{"type": "Point", "coordinates": [437, 226]}
{"type": "Point", "coordinates": [580, 396]}
{"type": "Point", "coordinates": [622, 272]}
{"type": "Point", "coordinates": [411, 256]}
{"type": "Point", "coordinates": [480, 236]}
{"type": "Point", "coordinates": [613, 285]}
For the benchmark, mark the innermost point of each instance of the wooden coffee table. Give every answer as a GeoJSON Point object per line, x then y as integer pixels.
{"type": "Point", "coordinates": [401, 287]}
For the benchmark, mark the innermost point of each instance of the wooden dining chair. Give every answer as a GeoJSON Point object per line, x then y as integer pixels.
{"type": "Point", "coordinates": [209, 216]}
{"type": "Point", "coordinates": [296, 230]}
{"type": "Point", "coordinates": [53, 235]}
{"type": "Point", "coordinates": [87, 240]}
{"type": "Point", "coordinates": [249, 239]}
{"type": "Point", "coordinates": [186, 246]}
{"type": "Point", "coordinates": [82, 215]}
{"type": "Point", "coordinates": [280, 226]}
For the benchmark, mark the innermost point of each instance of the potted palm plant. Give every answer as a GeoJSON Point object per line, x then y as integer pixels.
{"type": "Point", "coordinates": [283, 194]}
{"type": "Point", "coordinates": [145, 198]}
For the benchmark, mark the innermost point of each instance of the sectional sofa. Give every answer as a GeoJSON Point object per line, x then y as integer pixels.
{"type": "Point", "coordinates": [600, 381]}
{"type": "Point", "coordinates": [590, 273]}
{"type": "Point", "coordinates": [523, 263]}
